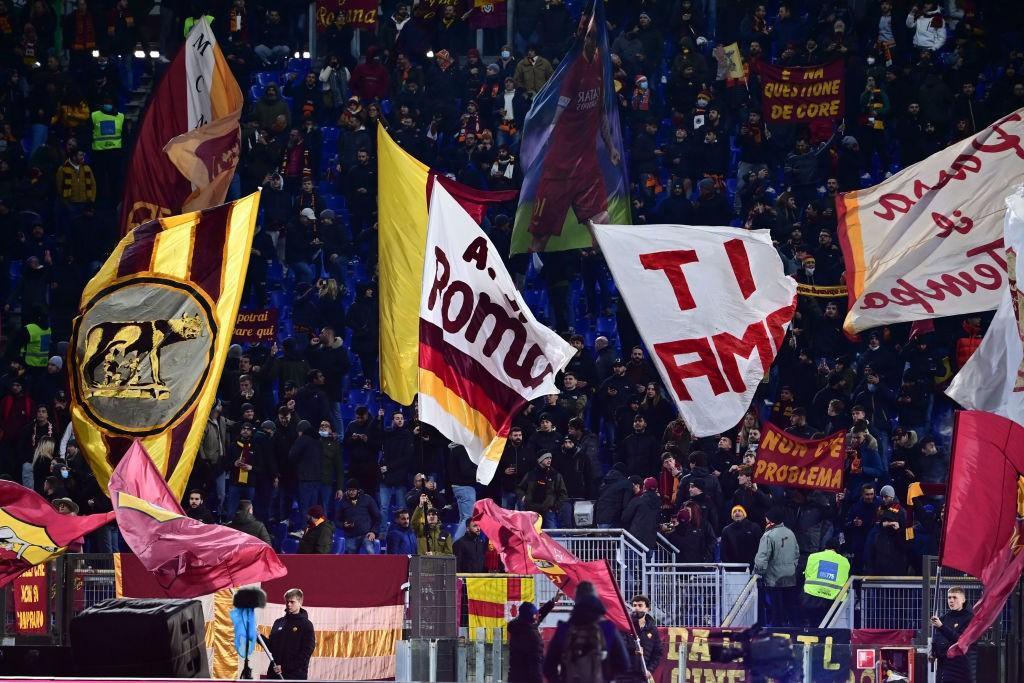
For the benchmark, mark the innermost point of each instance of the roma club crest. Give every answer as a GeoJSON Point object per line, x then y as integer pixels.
{"type": "Point", "coordinates": [141, 354]}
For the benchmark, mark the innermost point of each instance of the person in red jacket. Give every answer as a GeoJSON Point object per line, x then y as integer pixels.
{"type": "Point", "coordinates": [370, 80]}
{"type": "Point", "coordinates": [16, 411]}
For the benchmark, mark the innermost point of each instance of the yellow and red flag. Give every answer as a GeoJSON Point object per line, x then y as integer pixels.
{"type": "Point", "coordinates": [187, 148]}
{"type": "Point", "coordinates": [152, 335]}
{"type": "Point", "coordinates": [494, 600]}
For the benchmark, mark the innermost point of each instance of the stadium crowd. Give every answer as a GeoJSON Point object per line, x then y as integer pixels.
{"type": "Point", "coordinates": [301, 430]}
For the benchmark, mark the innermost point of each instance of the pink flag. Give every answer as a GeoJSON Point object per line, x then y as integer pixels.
{"type": "Point", "coordinates": [525, 549]}
{"type": "Point", "coordinates": [188, 558]}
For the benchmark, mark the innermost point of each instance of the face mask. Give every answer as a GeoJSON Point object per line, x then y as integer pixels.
{"type": "Point", "coordinates": [64, 474]}
{"type": "Point", "coordinates": [871, 60]}
{"type": "Point", "coordinates": [702, 103]}
{"type": "Point", "coordinates": [810, 271]}
{"type": "Point", "coordinates": [324, 433]}
{"type": "Point", "coordinates": [872, 387]}
{"type": "Point", "coordinates": [107, 108]}
{"type": "Point", "coordinates": [505, 54]}
{"type": "Point", "coordinates": [643, 86]}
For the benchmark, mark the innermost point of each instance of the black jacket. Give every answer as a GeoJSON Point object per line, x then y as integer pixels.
{"type": "Point", "coordinates": [317, 540]}
{"type": "Point", "coordinates": [245, 522]}
{"type": "Point", "coordinates": [739, 542]}
{"type": "Point", "coordinates": [292, 640]}
{"type": "Point", "coordinates": [469, 554]}
{"type": "Point", "coordinates": [956, 669]}
{"type": "Point", "coordinates": [305, 455]}
{"type": "Point", "coordinates": [525, 652]}
{"type": "Point", "coordinates": [695, 544]}
{"type": "Point", "coordinates": [398, 453]}
{"type": "Point", "coordinates": [640, 518]}
{"type": "Point", "coordinates": [616, 492]}
{"type": "Point", "coordinates": [521, 457]}
{"type": "Point", "coordinates": [642, 451]}
{"type": "Point", "coordinates": [650, 643]}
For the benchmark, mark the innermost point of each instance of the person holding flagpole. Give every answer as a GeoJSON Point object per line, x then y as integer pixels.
{"type": "Point", "coordinates": [947, 631]}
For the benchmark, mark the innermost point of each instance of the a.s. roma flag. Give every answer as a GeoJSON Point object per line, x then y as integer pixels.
{"type": "Point", "coordinates": [493, 600]}
{"type": "Point", "coordinates": [188, 143]}
{"type": "Point", "coordinates": [153, 330]}
{"type": "Point", "coordinates": [32, 532]}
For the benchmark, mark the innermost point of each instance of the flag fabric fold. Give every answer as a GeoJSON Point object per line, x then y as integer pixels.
{"type": "Point", "coordinates": [151, 339]}
{"type": "Point", "coordinates": [572, 156]}
{"type": "Point", "coordinates": [32, 532]}
{"type": "Point", "coordinates": [189, 139]}
{"type": "Point", "coordinates": [405, 186]}
{"type": "Point", "coordinates": [188, 558]}
{"type": "Point", "coordinates": [483, 355]}
{"type": "Point", "coordinates": [525, 549]}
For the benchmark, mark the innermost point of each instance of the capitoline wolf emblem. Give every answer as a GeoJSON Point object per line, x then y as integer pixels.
{"type": "Point", "coordinates": [129, 353]}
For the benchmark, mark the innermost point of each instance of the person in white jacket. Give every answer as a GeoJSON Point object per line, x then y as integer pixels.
{"type": "Point", "coordinates": [929, 26]}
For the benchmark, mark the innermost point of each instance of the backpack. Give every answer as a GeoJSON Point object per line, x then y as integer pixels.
{"type": "Point", "coordinates": [583, 654]}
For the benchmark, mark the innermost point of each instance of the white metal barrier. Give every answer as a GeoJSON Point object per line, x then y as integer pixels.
{"type": "Point", "coordinates": [627, 555]}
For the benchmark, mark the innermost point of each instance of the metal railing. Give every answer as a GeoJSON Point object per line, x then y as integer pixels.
{"type": "Point", "coordinates": [743, 612]}
{"type": "Point", "coordinates": [695, 594]}
{"type": "Point", "coordinates": [627, 555]}
{"type": "Point", "coordinates": [664, 551]}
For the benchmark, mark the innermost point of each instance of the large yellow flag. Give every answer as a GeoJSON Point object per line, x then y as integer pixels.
{"type": "Point", "coordinates": [153, 331]}
{"type": "Point", "coordinates": [402, 238]}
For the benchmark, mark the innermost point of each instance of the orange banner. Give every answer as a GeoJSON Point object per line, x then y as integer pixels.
{"type": "Point", "coordinates": [785, 460]}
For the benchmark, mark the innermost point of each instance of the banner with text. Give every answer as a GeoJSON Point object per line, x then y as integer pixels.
{"type": "Point", "coordinates": [712, 304]}
{"type": "Point", "coordinates": [800, 94]}
{"type": "Point", "coordinates": [31, 600]}
{"type": "Point", "coordinates": [255, 326]}
{"type": "Point", "coordinates": [358, 13]}
{"type": "Point", "coordinates": [785, 460]}
{"type": "Point", "coordinates": [928, 242]}
{"type": "Point", "coordinates": [823, 291]}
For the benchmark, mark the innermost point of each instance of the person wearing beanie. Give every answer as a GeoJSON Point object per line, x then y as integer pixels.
{"type": "Point", "coordinates": [740, 538]}
{"type": "Point", "coordinates": [776, 562]}
{"type": "Point", "coordinates": [431, 536]}
{"type": "Point", "coordinates": [359, 519]}
{"type": "Point", "coordinates": [319, 533]}
{"type": "Point", "coordinates": [542, 490]}
{"type": "Point", "coordinates": [613, 496]}
{"type": "Point", "coordinates": [691, 534]}
{"type": "Point", "coordinates": [606, 661]}
{"type": "Point", "coordinates": [525, 645]}
{"type": "Point", "coordinates": [641, 515]}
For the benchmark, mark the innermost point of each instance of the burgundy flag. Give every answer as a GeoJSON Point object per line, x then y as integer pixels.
{"type": "Point", "coordinates": [32, 532]}
{"type": "Point", "coordinates": [188, 558]}
{"type": "Point", "coordinates": [525, 549]}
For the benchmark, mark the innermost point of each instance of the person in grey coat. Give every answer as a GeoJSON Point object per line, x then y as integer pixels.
{"type": "Point", "coordinates": [776, 563]}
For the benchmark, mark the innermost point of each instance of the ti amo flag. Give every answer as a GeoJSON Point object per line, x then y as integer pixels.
{"type": "Point", "coordinates": [572, 155]}
{"type": "Point", "coordinates": [493, 600]}
{"type": "Point", "coordinates": [188, 142]}
{"type": "Point", "coordinates": [188, 558]}
{"type": "Point", "coordinates": [993, 377]}
{"type": "Point", "coordinates": [985, 513]}
{"type": "Point", "coordinates": [32, 532]}
{"type": "Point", "coordinates": [927, 242]}
{"type": "Point", "coordinates": [713, 305]}
{"type": "Point", "coordinates": [405, 185]}
{"type": "Point", "coordinates": [483, 355]}
{"type": "Point", "coordinates": [149, 344]}
{"type": "Point", "coordinates": [525, 549]}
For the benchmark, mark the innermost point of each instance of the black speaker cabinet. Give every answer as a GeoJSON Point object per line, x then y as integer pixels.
{"type": "Point", "coordinates": [140, 638]}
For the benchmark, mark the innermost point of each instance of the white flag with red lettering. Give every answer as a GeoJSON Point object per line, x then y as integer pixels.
{"type": "Point", "coordinates": [712, 305]}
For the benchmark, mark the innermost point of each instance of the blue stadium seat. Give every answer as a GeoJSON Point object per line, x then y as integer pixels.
{"type": "Point", "coordinates": [290, 545]}
{"type": "Point", "coordinates": [299, 66]}
{"type": "Point", "coordinates": [376, 546]}
{"type": "Point", "coordinates": [338, 542]}
{"type": "Point", "coordinates": [280, 530]}
{"type": "Point", "coordinates": [266, 77]}
{"type": "Point", "coordinates": [256, 92]}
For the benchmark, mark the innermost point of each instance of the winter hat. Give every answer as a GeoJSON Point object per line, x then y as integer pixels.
{"type": "Point", "coordinates": [684, 515]}
{"type": "Point", "coordinates": [639, 78]}
{"type": "Point", "coordinates": [650, 484]}
{"type": "Point", "coordinates": [542, 457]}
{"type": "Point", "coordinates": [308, 213]}
{"type": "Point", "coordinates": [775, 514]}
{"type": "Point", "coordinates": [636, 481]}
{"type": "Point", "coordinates": [740, 508]}
{"type": "Point", "coordinates": [527, 610]}
{"type": "Point", "coordinates": [619, 467]}
{"type": "Point", "coordinates": [849, 141]}
{"type": "Point", "coordinates": [706, 184]}
{"type": "Point", "coordinates": [327, 214]}
{"type": "Point", "coordinates": [56, 361]}
{"type": "Point", "coordinates": [268, 425]}
{"type": "Point", "coordinates": [303, 426]}
{"type": "Point", "coordinates": [887, 492]}
{"type": "Point", "coordinates": [315, 511]}
{"type": "Point", "coordinates": [235, 351]}
{"type": "Point", "coordinates": [352, 484]}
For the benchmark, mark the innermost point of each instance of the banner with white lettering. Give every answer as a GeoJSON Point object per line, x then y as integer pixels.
{"type": "Point", "coordinates": [992, 380]}
{"type": "Point", "coordinates": [928, 242]}
{"type": "Point", "coordinates": [483, 355]}
{"type": "Point", "coordinates": [712, 305]}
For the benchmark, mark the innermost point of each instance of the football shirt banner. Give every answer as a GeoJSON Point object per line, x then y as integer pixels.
{"type": "Point", "coordinates": [928, 242]}
{"type": "Point", "coordinates": [712, 304]}
{"type": "Point", "coordinates": [801, 94]}
{"type": "Point", "coordinates": [150, 341]}
{"type": "Point", "coordinates": [785, 460]}
{"type": "Point", "coordinates": [572, 155]}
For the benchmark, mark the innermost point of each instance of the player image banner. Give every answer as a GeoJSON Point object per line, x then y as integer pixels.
{"type": "Point", "coordinates": [786, 460]}
{"type": "Point", "coordinates": [152, 335]}
{"type": "Point", "coordinates": [482, 355]}
{"type": "Point", "coordinates": [712, 304]}
{"type": "Point", "coordinates": [255, 326]}
{"type": "Point", "coordinates": [801, 94]}
{"type": "Point", "coordinates": [928, 242]}
{"type": "Point", "coordinates": [358, 13]}
{"type": "Point", "coordinates": [574, 166]}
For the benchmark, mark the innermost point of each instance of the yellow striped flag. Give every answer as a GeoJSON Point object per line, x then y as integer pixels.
{"type": "Point", "coordinates": [152, 335]}
{"type": "Point", "coordinates": [494, 600]}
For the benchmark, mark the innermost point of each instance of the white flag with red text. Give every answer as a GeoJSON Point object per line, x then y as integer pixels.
{"type": "Point", "coordinates": [928, 241]}
{"type": "Point", "coordinates": [712, 305]}
{"type": "Point", "coordinates": [483, 355]}
{"type": "Point", "coordinates": [993, 378]}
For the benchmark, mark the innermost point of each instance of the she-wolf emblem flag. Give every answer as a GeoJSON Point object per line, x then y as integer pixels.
{"type": "Point", "coordinates": [148, 347]}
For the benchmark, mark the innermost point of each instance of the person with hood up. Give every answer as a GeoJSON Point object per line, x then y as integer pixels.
{"type": "Point", "coordinates": [587, 646]}
{"type": "Point", "coordinates": [292, 640]}
{"type": "Point", "coordinates": [640, 517]}
{"type": "Point", "coordinates": [615, 493]}
{"type": "Point", "coordinates": [691, 533]}
{"type": "Point", "coordinates": [245, 521]}
{"type": "Point", "coordinates": [525, 645]}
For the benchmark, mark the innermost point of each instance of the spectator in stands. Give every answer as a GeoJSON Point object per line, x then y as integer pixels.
{"type": "Point", "coordinates": [651, 648]}
{"type": "Point", "coordinates": [542, 490]}
{"type": "Point", "coordinates": [401, 539]}
{"type": "Point", "coordinates": [642, 512]}
{"type": "Point", "coordinates": [641, 449]}
{"type": "Point", "coordinates": [532, 72]}
{"type": "Point", "coordinates": [615, 493]}
{"type": "Point", "coordinates": [776, 564]}
{"type": "Point", "coordinates": [272, 46]}
{"type": "Point", "coordinates": [432, 537]}
{"type": "Point", "coordinates": [395, 464]}
{"type": "Point", "coordinates": [740, 538]}
{"type": "Point", "coordinates": [197, 509]}
{"type": "Point", "coordinates": [319, 534]}
{"type": "Point", "coordinates": [470, 550]}
{"type": "Point", "coordinates": [359, 519]}
{"type": "Point", "coordinates": [245, 521]}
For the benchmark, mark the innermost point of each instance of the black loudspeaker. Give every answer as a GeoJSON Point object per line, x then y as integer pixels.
{"type": "Point", "coordinates": [140, 638]}
{"type": "Point", "coordinates": [432, 597]}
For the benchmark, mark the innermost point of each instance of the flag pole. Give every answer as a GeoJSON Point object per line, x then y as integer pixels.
{"type": "Point", "coordinates": [629, 617]}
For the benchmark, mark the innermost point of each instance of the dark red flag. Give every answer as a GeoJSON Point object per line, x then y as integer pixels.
{"type": "Point", "coordinates": [525, 549]}
{"type": "Point", "coordinates": [188, 558]}
{"type": "Point", "coordinates": [32, 532]}
{"type": "Point", "coordinates": [474, 201]}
